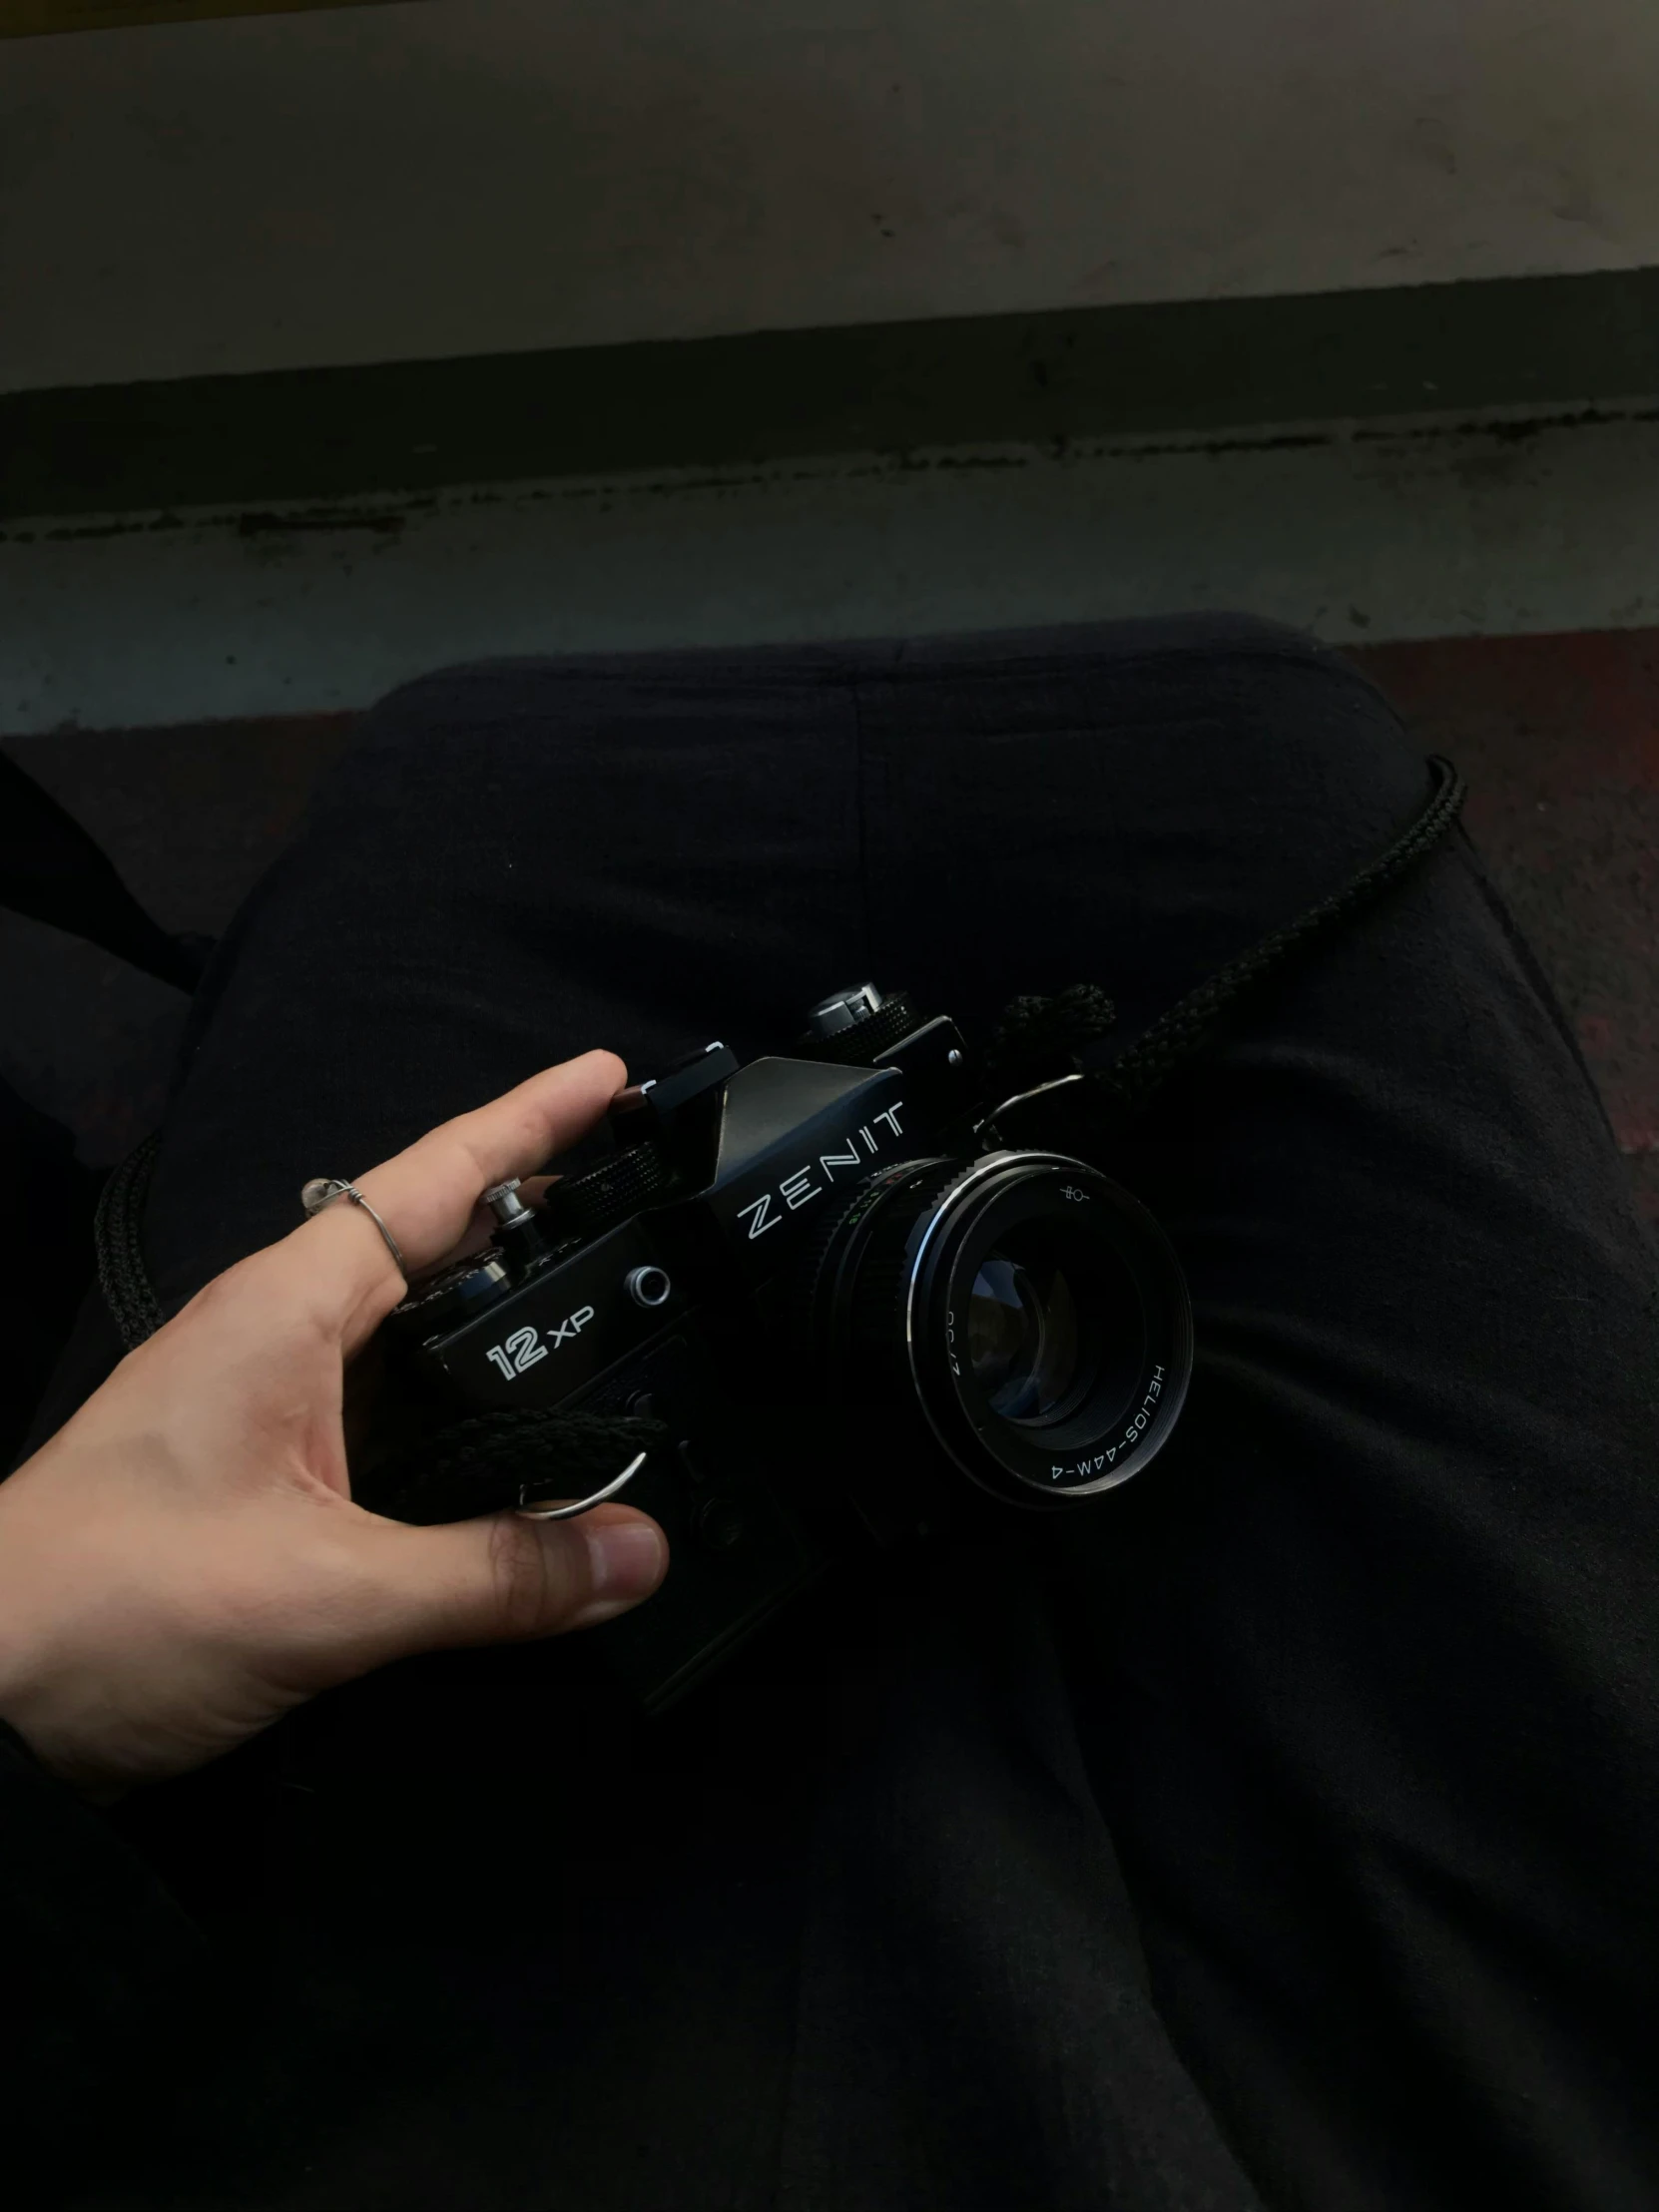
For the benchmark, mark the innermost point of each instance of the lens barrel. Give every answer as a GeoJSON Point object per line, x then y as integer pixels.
{"type": "Point", "coordinates": [1031, 1308]}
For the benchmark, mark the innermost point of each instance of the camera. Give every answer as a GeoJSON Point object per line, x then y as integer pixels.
{"type": "Point", "coordinates": [863, 1296]}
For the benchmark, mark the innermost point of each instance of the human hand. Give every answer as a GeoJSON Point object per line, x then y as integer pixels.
{"type": "Point", "coordinates": [182, 1562]}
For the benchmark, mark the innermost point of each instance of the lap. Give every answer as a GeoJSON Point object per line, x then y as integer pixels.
{"type": "Point", "coordinates": [519, 860]}
{"type": "Point", "coordinates": [1361, 1676]}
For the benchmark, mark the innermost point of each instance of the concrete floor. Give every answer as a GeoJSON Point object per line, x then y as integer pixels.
{"type": "Point", "coordinates": [1506, 522]}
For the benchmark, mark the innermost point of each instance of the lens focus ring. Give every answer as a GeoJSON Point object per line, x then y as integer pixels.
{"type": "Point", "coordinates": [837, 1251]}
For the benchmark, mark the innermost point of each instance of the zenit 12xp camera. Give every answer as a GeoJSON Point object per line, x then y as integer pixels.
{"type": "Point", "coordinates": [855, 1293]}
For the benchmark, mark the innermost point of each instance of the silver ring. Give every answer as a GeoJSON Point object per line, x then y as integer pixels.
{"type": "Point", "coordinates": [569, 1512]}
{"type": "Point", "coordinates": [322, 1190]}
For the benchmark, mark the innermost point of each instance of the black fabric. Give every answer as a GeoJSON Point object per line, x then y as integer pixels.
{"type": "Point", "coordinates": [47, 1198]}
{"type": "Point", "coordinates": [104, 1977]}
{"type": "Point", "coordinates": [1280, 1829]}
{"type": "Point", "coordinates": [52, 870]}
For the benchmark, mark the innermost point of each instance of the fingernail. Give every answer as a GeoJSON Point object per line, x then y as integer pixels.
{"type": "Point", "coordinates": [626, 1559]}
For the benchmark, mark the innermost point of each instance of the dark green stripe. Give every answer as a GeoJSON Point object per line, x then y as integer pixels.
{"type": "Point", "coordinates": [50, 18]}
{"type": "Point", "coordinates": [884, 388]}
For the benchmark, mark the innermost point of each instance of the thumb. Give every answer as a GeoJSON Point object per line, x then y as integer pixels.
{"type": "Point", "coordinates": [506, 1580]}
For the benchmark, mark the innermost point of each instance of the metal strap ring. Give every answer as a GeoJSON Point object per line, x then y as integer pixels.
{"type": "Point", "coordinates": [569, 1512]}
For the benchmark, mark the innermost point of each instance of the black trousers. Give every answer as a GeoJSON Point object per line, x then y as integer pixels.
{"type": "Point", "coordinates": [1284, 1829]}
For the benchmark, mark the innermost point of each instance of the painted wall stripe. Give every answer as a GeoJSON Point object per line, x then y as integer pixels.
{"type": "Point", "coordinates": [51, 18]}
{"type": "Point", "coordinates": [1050, 379]}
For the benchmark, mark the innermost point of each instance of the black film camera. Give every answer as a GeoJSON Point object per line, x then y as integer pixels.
{"type": "Point", "coordinates": [858, 1294]}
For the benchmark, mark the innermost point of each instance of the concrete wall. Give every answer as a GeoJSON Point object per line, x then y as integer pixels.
{"type": "Point", "coordinates": [441, 179]}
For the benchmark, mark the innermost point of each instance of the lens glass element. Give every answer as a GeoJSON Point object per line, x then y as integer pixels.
{"type": "Point", "coordinates": [1023, 1337]}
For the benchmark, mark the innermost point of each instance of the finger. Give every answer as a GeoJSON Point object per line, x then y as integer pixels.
{"type": "Point", "coordinates": [338, 1262]}
{"type": "Point", "coordinates": [429, 1191]}
{"type": "Point", "coordinates": [503, 1580]}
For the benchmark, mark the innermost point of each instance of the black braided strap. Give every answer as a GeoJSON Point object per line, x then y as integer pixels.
{"type": "Point", "coordinates": [1125, 1087]}
{"type": "Point", "coordinates": [515, 1455]}
{"type": "Point", "coordinates": [1033, 1031]}
{"type": "Point", "coordinates": [116, 1233]}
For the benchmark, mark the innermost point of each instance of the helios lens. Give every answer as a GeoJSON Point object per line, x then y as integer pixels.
{"type": "Point", "coordinates": [1031, 1308]}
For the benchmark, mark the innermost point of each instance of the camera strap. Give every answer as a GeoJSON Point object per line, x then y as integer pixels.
{"type": "Point", "coordinates": [1036, 1032]}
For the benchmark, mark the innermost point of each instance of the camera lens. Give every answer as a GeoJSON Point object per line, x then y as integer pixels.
{"type": "Point", "coordinates": [1032, 1310]}
{"type": "Point", "coordinates": [1023, 1338]}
